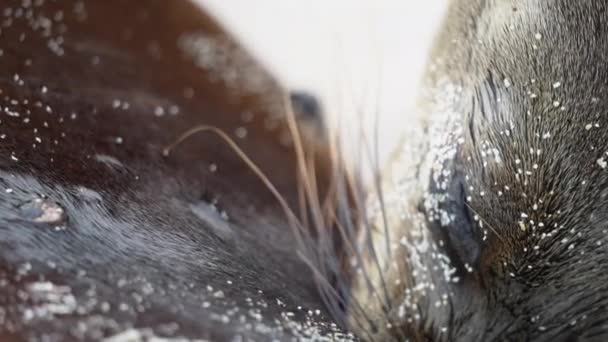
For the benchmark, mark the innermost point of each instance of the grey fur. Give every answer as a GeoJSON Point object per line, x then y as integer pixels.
{"type": "Point", "coordinates": [532, 83]}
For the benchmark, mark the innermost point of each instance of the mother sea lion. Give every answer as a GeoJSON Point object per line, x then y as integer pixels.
{"type": "Point", "coordinates": [102, 236]}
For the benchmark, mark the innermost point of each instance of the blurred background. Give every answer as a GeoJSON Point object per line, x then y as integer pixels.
{"type": "Point", "coordinates": [360, 57]}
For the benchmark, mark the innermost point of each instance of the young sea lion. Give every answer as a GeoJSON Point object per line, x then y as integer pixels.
{"type": "Point", "coordinates": [495, 204]}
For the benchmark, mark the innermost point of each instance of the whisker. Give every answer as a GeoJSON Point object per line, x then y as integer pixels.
{"type": "Point", "coordinates": [325, 251]}
{"type": "Point", "coordinates": [294, 222]}
{"type": "Point", "coordinates": [485, 222]}
{"type": "Point", "coordinates": [367, 226]}
{"type": "Point", "coordinates": [329, 288]}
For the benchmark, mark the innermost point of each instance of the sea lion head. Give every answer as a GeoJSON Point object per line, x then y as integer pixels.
{"type": "Point", "coordinates": [491, 222]}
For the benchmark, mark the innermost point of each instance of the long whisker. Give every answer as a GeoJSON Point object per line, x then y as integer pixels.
{"type": "Point", "coordinates": [331, 290]}
{"type": "Point", "coordinates": [485, 222]}
{"type": "Point", "coordinates": [367, 225]}
{"type": "Point", "coordinates": [318, 250]}
{"type": "Point", "coordinates": [252, 165]}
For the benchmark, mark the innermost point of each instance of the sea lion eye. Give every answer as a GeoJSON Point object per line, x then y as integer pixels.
{"type": "Point", "coordinates": [451, 219]}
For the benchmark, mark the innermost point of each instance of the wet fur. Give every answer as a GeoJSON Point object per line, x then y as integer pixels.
{"type": "Point", "coordinates": [189, 245]}
{"type": "Point", "coordinates": [528, 84]}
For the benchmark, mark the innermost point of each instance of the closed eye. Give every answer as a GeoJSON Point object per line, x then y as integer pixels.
{"type": "Point", "coordinates": [451, 220]}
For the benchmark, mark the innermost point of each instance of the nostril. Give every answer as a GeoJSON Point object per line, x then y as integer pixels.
{"type": "Point", "coordinates": [309, 114]}
{"type": "Point", "coordinates": [306, 106]}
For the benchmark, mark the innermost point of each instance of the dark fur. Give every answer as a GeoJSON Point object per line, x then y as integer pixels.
{"type": "Point", "coordinates": [167, 245]}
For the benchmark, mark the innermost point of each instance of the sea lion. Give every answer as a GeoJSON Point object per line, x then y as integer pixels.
{"type": "Point", "coordinates": [495, 203]}
{"type": "Point", "coordinates": [105, 233]}
{"type": "Point", "coordinates": [157, 182]}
